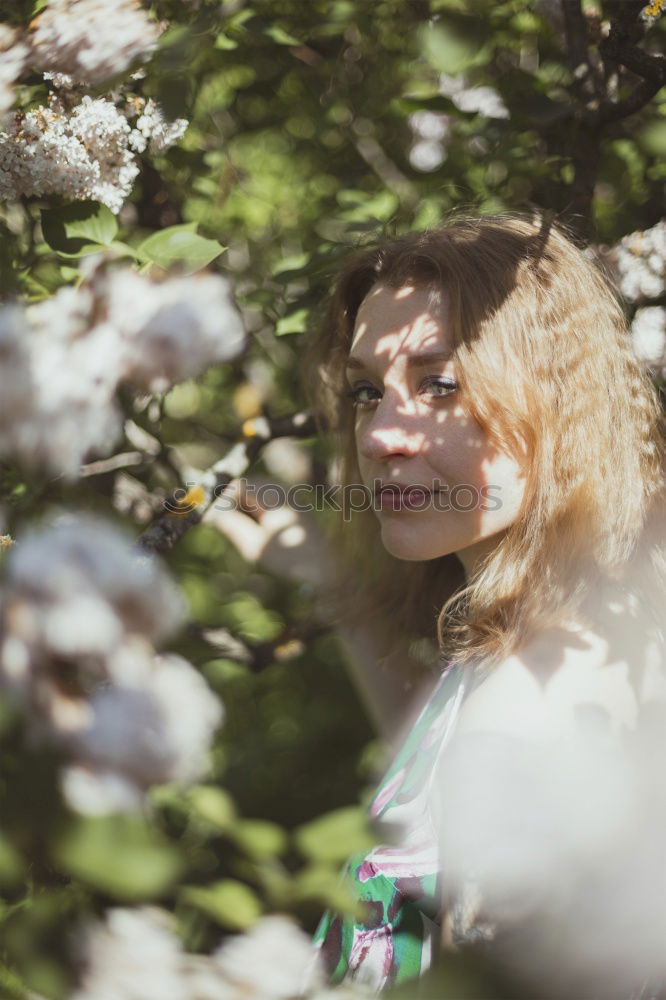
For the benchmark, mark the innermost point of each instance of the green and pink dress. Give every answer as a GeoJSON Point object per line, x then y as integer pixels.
{"type": "Point", "coordinates": [400, 885]}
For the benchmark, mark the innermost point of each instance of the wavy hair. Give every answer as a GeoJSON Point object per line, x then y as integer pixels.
{"type": "Point", "coordinates": [544, 359]}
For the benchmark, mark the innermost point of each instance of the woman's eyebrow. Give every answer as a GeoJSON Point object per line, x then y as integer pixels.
{"type": "Point", "coordinates": [413, 361]}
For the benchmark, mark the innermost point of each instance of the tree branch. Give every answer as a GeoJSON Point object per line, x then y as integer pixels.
{"type": "Point", "coordinates": [181, 513]}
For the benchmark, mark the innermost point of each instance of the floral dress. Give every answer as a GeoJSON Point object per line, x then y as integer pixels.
{"type": "Point", "coordinates": [399, 885]}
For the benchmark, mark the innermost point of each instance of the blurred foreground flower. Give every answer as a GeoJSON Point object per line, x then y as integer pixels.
{"type": "Point", "coordinates": [639, 260]}
{"type": "Point", "coordinates": [552, 817]}
{"type": "Point", "coordinates": [80, 614]}
{"type": "Point", "coordinates": [648, 332]}
{"type": "Point", "coordinates": [73, 37]}
{"type": "Point", "coordinates": [135, 955]}
{"type": "Point", "coordinates": [62, 359]}
{"type": "Point", "coordinates": [13, 59]}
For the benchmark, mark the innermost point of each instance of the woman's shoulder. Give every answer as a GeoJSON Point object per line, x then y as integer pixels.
{"type": "Point", "coordinates": [542, 690]}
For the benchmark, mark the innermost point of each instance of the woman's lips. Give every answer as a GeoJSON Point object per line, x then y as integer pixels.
{"type": "Point", "coordinates": [408, 498]}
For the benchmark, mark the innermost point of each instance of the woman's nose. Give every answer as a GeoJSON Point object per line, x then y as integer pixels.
{"type": "Point", "coordinates": [387, 433]}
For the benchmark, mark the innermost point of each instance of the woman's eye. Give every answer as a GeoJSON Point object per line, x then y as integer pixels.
{"type": "Point", "coordinates": [444, 386]}
{"type": "Point", "coordinates": [355, 395]}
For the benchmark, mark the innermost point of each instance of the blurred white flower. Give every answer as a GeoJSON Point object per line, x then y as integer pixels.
{"type": "Point", "coordinates": [92, 40]}
{"type": "Point", "coordinates": [134, 955]}
{"type": "Point", "coordinates": [97, 793]}
{"type": "Point", "coordinates": [154, 728]}
{"type": "Point", "coordinates": [274, 960]}
{"type": "Point", "coordinates": [484, 99]}
{"type": "Point", "coordinates": [13, 59]}
{"type": "Point", "coordinates": [648, 333]}
{"type": "Point", "coordinates": [84, 556]}
{"type": "Point", "coordinates": [426, 155]}
{"type": "Point", "coordinates": [79, 615]}
{"type": "Point", "coordinates": [639, 261]}
{"type": "Point", "coordinates": [551, 810]}
{"type": "Point", "coordinates": [63, 359]}
{"type": "Point", "coordinates": [171, 330]}
{"type": "Point", "coordinates": [430, 124]}
{"type": "Point", "coordinates": [430, 128]}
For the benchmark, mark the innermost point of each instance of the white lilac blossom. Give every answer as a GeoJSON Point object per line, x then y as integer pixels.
{"type": "Point", "coordinates": [639, 260]}
{"type": "Point", "coordinates": [82, 152]}
{"type": "Point", "coordinates": [92, 40]}
{"type": "Point", "coordinates": [648, 333]}
{"type": "Point", "coordinates": [430, 129]}
{"type": "Point", "coordinates": [171, 330]}
{"type": "Point", "coordinates": [13, 58]}
{"type": "Point", "coordinates": [485, 100]}
{"type": "Point", "coordinates": [79, 618]}
{"type": "Point", "coordinates": [155, 726]}
{"type": "Point", "coordinates": [135, 955]}
{"type": "Point", "coordinates": [57, 383]}
{"type": "Point", "coordinates": [63, 359]}
{"type": "Point", "coordinates": [552, 819]}
{"type": "Point", "coordinates": [274, 960]}
{"type": "Point", "coordinates": [76, 593]}
{"type": "Point", "coordinates": [152, 130]}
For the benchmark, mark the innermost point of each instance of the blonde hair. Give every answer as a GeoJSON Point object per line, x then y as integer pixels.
{"type": "Point", "coordinates": [543, 356]}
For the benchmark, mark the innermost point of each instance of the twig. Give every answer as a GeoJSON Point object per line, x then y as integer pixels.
{"type": "Point", "coordinates": [182, 512]}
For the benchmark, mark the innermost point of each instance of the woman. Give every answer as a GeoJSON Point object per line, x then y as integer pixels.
{"type": "Point", "coordinates": [482, 385]}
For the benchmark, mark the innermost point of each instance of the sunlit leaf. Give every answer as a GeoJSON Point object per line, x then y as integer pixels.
{"type": "Point", "coordinates": [295, 322]}
{"type": "Point", "coordinates": [120, 855]}
{"type": "Point", "coordinates": [335, 836]}
{"type": "Point", "coordinates": [85, 223]}
{"type": "Point", "coordinates": [179, 245]}
{"type": "Point", "coordinates": [229, 902]}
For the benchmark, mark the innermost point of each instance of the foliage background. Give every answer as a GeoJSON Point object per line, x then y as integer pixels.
{"type": "Point", "coordinates": [301, 142]}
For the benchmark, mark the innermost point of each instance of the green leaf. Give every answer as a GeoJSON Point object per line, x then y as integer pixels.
{"type": "Point", "coordinates": [295, 322]}
{"type": "Point", "coordinates": [225, 43]}
{"type": "Point", "coordinates": [326, 886]}
{"type": "Point", "coordinates": [213, 805]}
{"type": "Point", "coordinates": [70, 227]}
{"type": "Point", "coordinates": [179, 244]}
{"type": "Point", "coordinates": [448, 52]}
{"type": "Point", "coordinates": [120, 855]}
{"type": "Point", "coordinates": [259, 838]}
{"type": "Point", "coordinates": [333, 837]}
{"type": "Point", "coordinates": [281, 36]}
{"type": "Point", "coordinates": [229, 902]}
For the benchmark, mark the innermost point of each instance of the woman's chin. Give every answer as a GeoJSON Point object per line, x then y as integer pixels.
{"type": "Point", "coordinates": [412, 549]}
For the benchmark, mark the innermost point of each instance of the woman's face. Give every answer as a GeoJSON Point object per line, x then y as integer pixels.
{"type": "Point", "coordinates": [412, 430]}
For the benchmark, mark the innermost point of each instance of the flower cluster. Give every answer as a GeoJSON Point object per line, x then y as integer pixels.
{"type": "Point", "coordinates": [648, 332]}
{"type": "Point", "coordinates": [485, 100]}
{"type": "Point", "coordinates": [91, 40]}
{"type": "Point", "coordinates": [62, 359]}
{"type": "Point", "coordinates": [432, 128]}
{"type": "Point", "coordinates": [152, 130]}
{"type": "Point", "coordinates": [135, 955]}
{"type": "Point", "coordinates": [80, 618]}
{"type": "Point", "coordinates": [639, 260]}
{"type": "Point", "coordinates": [13, 58]}
{"type": "Point", "coordinates": [84, 152]}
